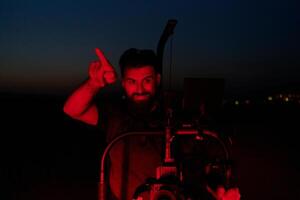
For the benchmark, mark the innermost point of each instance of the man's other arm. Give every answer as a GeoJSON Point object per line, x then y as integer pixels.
{"type": "Point", "coordinates": [80, 104]}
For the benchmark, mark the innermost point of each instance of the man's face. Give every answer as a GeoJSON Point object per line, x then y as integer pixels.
{"type": "Point", "coordinates": [140, 84]}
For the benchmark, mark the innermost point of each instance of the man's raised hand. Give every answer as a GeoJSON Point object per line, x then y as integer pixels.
{"type": "Point", "coordinates": [101, 72]}
{"type": "Point", "coordinates": [230, 194]}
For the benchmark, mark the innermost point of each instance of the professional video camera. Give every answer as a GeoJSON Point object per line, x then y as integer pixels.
{"type": "Point", "coordinates": [184, 174]}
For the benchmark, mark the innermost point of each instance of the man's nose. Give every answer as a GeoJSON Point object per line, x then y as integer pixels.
{"type": "Point", "coordinates": [140, 88]}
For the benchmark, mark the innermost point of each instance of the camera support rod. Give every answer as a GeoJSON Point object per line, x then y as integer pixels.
{"type": "Point", "coordinates": [102, 189]}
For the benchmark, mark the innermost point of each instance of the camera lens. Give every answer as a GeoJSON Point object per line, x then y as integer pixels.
{"type": "Point", "coordinates": [164, 195]}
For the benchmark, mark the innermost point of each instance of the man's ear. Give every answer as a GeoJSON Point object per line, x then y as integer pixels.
{"type": "Point", "coordinates": [158, 79]}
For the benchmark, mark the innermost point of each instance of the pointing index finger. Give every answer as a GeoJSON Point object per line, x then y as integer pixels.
{"type": "Point", "coordinates": [101, 57]}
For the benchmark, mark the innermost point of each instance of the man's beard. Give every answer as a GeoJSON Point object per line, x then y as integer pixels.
{"type": "Point", "coordinates": [142, 107]}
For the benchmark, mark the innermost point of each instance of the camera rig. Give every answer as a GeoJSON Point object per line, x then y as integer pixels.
{"type": "Point", "coordinates": [173, 178]}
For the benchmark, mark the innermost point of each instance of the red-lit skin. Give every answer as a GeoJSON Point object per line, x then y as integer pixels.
{"type": "Point", "coordinates": [230, 194]}
{"type": "Point", "coordinates": [140, 83]}
{"type": "Point", "coordinates": [221, 194]}
{"type": "Point", "coordinates": [101, 71]}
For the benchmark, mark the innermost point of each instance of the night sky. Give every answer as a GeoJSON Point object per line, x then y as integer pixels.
{"type": "Point", "coordinates": [46, 46]}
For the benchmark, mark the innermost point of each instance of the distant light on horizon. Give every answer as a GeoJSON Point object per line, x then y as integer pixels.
{"type": "Point", "coordinates": [270, 98]}
{"type": "Point", "coordinates": [236, 102]}
{"type": "Point", "coordinates": [286, 99]}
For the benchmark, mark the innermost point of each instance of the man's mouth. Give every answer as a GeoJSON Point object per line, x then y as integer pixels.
{"type": "Point", "coordinates": [141, 97]}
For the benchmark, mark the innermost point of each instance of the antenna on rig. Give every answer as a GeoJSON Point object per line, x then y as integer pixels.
{"type": "Point", "coordinates": [168, 31]}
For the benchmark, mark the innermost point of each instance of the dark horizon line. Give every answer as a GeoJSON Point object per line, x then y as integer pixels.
{"type": "Point", "coordinates": [227, 93]}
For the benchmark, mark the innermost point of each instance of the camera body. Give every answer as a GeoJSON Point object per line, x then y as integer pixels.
{"type": "Point", "coordinates": [185, 176]}
{"type": "Point", "coordinates": [166, 185]}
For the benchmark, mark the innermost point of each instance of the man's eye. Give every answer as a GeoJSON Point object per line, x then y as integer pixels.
{"type": "Point", "coordinates": [148, 80]}
{"type": "Point", "coordinates": [130, 81]}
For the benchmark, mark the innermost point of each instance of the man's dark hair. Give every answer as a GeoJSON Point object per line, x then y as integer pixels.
{"type": "Point", "coordinates": [135, 58]}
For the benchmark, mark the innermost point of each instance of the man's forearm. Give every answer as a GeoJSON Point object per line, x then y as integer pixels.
{"type": "Point", "coordinates": [81, 99]}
